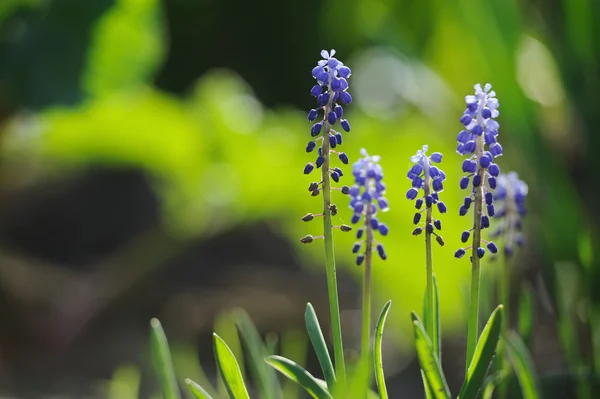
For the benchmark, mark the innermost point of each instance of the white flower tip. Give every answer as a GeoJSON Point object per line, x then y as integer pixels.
{"type": "Point", "coordinates": [364, 152]}
{"type": "Point", "coordinates": [487, 87]}
{"type": "Point", "coordinates": [324, 54]}
{"type": "Point", "coordinates": [332, 52]}
{"type": "Point", "coordinates": [477, 87]}
{"type": "Point", "coordinates": [425, 148]}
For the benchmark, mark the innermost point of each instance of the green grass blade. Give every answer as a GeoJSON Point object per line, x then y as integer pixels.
{"type": "Point", "coordinates": [378, 352]}
{"type": "Point", "coordinates": [229, 369]}
{"type": "Point", "coordinates": [437, 328]}
{"type": "Point", "coordinates": [163, 365]}
{"type": "Point", "coordinates": [266, 379]}
{"type": "Point", "coordinates": [428, 394]}
{"type": "Point", "coordinates": [519, 356]}
{"type": "Point", "coordinates": [318, 342]}
{"type": "Point", "coordinates": [483, 356]}
{"type": "Point", "coordinates": [429, 361]}
{"type": "Point", "coordinates": [492, 382]}
{"type": "Point", "coordinates": [298, 374]}
{"type": "Point", "coordinates": [197, 390]}
{"type": "Point", "coordinates": [525, 321]}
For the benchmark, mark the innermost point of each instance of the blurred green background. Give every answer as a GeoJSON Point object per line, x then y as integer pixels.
{"type": "Point", "coordinates": [151, 165]}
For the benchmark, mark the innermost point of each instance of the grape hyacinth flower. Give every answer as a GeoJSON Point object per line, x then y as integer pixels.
{"type": "Point", "coordinates": [478, 141]}
{"type": "Point", "coordinates": [331, 91]}
{"type": "Point", "coordinates": [481, 130]}
{"type": "Point", "coordinates": [366, 199]}
{"type": "Point", "coordinates": [509, 197]}
{"type": "Point", "coordinates": [427, 181]}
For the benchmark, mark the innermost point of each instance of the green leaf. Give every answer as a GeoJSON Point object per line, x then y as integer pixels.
{"type": "Point", "coordinates": [525, 320]}
{"type": "Point", "coordinates": [197, 390]}
{"type": "Point", "coordinates": [318, 342]}
{"type": "Point", "coordinates": [163, 365]}
{"type": "Point", "coordinates": [229, 369]}
{"type": "Point", "coordinates": [266, 379]}
{"type": "Point", "coordinates": [492, 382]}
{"type": "Point", "coordinates": [428, 394]}
{"type": "Point", "coordinates": [520, 358]}
{"type": "Point", "coordinates": [437, 329]}
{"type": "Point", "coordinates": [483, 356]}
{"type": "Point", "coordinates": [127, 47]}
{"type": "Point", "coordinates": [298, 374]}
{"type": "Point", "coordinates": [429, 361]}
{"type": "Point", "coordinates": [378, 353]}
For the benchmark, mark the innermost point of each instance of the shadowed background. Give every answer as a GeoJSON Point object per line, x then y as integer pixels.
{"type": "Point", "coordinates": [151, 165]}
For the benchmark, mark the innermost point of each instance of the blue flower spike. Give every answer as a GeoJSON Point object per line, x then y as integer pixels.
{"type": "Point", "coordinates": [331, 92]}
{"type": "Point", "coordinates": [509, 198]}
{"type": "Point", "coordinates": [367, 199]}
{"type": "Point", "coordinates": [478, 141]}
{"type": "Point", "coordinates": [427, 181]}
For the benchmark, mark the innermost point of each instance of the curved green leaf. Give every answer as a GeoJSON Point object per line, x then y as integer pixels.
{"type": "Point", "coordinates": [428, 394]}
{"type": "Point", "coordinates": [264, 377]}
{"type": "Point", "coordinates": [377, 351]}
{"type": "Point", "coordinates": [436, 337]}
{"type": "Point", "coordinates": [483, 355]}
{"type": "Point", "coordinates": [429, 361]}
{"type": "Point", "coordinates": [298, 374]}
{"type": "Point", "coordinates": [318, 342]}
{"type": "Point", "coordinates": [197, 390]}
{"type": "Point", "coordinates": [522, 363]}
{"type": "Point", "coordinates": [229, 369]}
{"type": "Point", "coordinates": [163, 365]}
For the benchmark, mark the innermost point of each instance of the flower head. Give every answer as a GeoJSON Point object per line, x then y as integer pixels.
{"type": "Point", "coordinates": [478, 141]}
{"type": "Point", "coordinates": [509, 197]}
{"type": "Point", "coordinates": [427, 182]}
{"type": "Point", "coordinates": [366, 199]}
{"type": "Point", "coordinates": [331, 90]}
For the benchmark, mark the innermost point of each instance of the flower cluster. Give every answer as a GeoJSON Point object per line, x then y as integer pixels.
{"type": "Point", "coordinates": [510, 200]}
{"type": "Point", "coordinates": [481, 131]}
{"type": "Point", "coordinates": [331, 89]}
{"type": "Point", "coordinates": [430, 179]}
{"type": "Point", "coordinates": [366, 196]}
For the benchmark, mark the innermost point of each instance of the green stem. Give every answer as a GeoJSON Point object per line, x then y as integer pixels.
{"type": "Point", "coordinates": [473, 329]}
{"type": "Point", "coordinates": [334, 306]}
{"type": "Point", "coordinates": [366, 295]}
{"type": "Point", "coordinates": [501, 353]}
{"type": "Point", "coordinates": [429, 316]}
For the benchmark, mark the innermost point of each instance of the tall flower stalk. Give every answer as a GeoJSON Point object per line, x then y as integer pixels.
{"type": "Point", "coordinates": [429, 178]}
{"type": "Point", "coordinates": [331, 76]}
{"type": "Point", "coordinates": [366, 196]}
{"type": "Point", "coordinates": [481, 130]}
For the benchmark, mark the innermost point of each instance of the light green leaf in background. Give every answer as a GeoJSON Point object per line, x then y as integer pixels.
{"type": "Point", "coordinates": [378, 351]}
{"type": "Point", "coordinates": [522, 363]}
{"type": "Point", "coordinates": [197, 390]}
{"type": "Point", "coordinates": [318, 341]}
{"type": "Point", "coordinates": [298, 374]}
{"type": "Point", "coordinates": [127, 47]}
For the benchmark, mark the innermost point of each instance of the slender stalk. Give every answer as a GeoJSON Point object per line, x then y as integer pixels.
{"type": "Point", "coordinates": [366, 294]}
{"type": "Point", "coordinates": [429, 324]}
{"type": "Point", "coordinates": [501, 353]}
{"type": "Point", "coordinates": [334, 306]}
{"type": "Point", "coordinates": [473, 328]}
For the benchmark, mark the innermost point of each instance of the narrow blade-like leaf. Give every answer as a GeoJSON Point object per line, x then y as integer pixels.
{"type": "Point", "coordinates": [525, 321]}
{"type": "Point", "coordinates": [436, 337]}
{"type": "Point", "coordinates": [163, 365]}
{"type": "Point", "coordinates": [522, 363]}
{"type": "Point", "coordinates": [429, 361]}
{"type": "Point", "coordinates": [264, 377]}
{"type": "Point", "coordinates": [378, 352]}
{"type": "Point", "coordinates": [318, 342]}
{"type": "Point", "coordinates": [298, 374]}
{"type": "Point", "coordinates": [197, 390]}
{"type": "Point", "coordinates": [483, 356]}
{"type": "Point", "coordinates": [229, 369]}
{"type": "Point", "coordinates": [428, 394]}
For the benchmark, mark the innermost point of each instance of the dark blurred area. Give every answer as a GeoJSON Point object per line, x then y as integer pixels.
{"type": "Point", "coordinates": [150, 167]}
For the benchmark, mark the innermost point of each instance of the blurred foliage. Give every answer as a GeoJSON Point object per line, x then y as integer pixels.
{"type": "Point", "coordinates": [220, 158]}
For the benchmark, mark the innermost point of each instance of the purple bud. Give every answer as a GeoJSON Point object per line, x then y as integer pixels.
{"type": "Point", "coordinates": [310, 146]}
{"type": "Point", "coordinates": [437, 224]}
{"type": "Point", "coordinates": [428, 201]}
{"type": "Point", "coordinates": [489, 198]}
{"type": "Point", "coordinates": [345, 125]}
{"type": "Point", "coordinates": [381, 252]}
{"type": "Point", "coordinates": [339, 111]}
{"type": "Point", "coordinates": [312, 115]}
{"type": "Point", "coordinates": [490, 138]}
{"type": "Point", "coordinates": [332, 141]}
{"type": "Point", "coordinates": [484, 161]}
{"type": "Point", "coordinates": [335, 84]}
{"type": "Point", "coordinates": [356, 247]}
{"type": "Point", "coordinates": [460, 253]}
{"type": "Point", "coordinates": [491, 210]}
{"type": "Point", "coordinates": [466, 119]}
{"type": "Point", "coordinates": [319, 161]}
{"type": "Point", "coordinates": [496, 150]}
{"type": "Point", "coordinates": [464, 182]}
{"type": "Point", "coordinates": [383, 229]}
{"type": "Point", "coordinates": [355, 218]}
{"type": "Point", "coordinates": [467, 202]}
{"type": "Point", "coordinates": [374, 223]}
{"type": "Point", "coordinates": [419, 203]}
{"type": "Point", "coordinates": [316, 129]}
{"type": "Point", "coordinates": [469, 147]}
{"type": "Point", "coordinates": [463, 210]}
{"type": "Point", "coordinates": [331, 118]}
{"type": "Point", "coordinates": [338, 138]}
{"type": "Point", "coordinates": [343, 157]}
{"type": "Point", "coordinates": [485, 222]}
{"type": "Point", "coordinates": [486, 113]}
{"type": "Point", "coordinates": [417, 218]}
{"type": "Point", "coordinates": [417, 182]}
{"type": "Point", "coordinates": [476, 180]}
{"type": "Point", "coordinates": [434, 172]}
{"type": "Point", "coordinates": [335, 177]}
{"type": "Point", "coordinates": [359, 259]}
{"type": "Point", "coordinates": [323, 99]}
{"type": "Point", "coordinates": [417, 231]}
{"type": "Point", "coordinates": [442, 207]}
{"type": "Point", "coordinates": [412, 193]}
{"type": "Point", "coordinates": [316, 71]}
{"type": "Point", "coordinates": [469, 166]}
{"type": "Point", "coordinates": [437, 185]}
{"type": "Point", "coordinates": [477, 130]}
{"type": "Point", "coordinates": [308, 168]}
{"type": "Point", "coordinates": [492, 247]}
{"type": "Point", "coordinates": [359, 233]}
{"type": "Point", "coordinates": [463, 136]}
{"type": "Point", "coordinates": [494, 170]}
{"type": "Point", "coordinates": [344, 72]}
{"type": "Point", "coordinates": [464, 237]}
{"type": "Point", "coordinates": [480, 252]}
{"type": "Point", "coordinates": [429, 228]}
{"type": "Point", "coordinates": [472, 106]}
{"type": "Point", "coordinates": [346, 97]}
{"type": "Point", "coordinates": [436, 157]}
{"type": "Point", "coordinates": [492, 182]}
